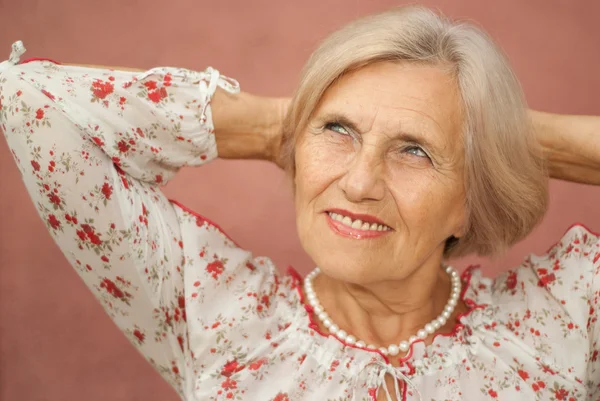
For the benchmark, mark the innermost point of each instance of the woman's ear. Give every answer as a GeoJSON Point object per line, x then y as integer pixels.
{"type": "Point", "coordinates": [461, 232]}
{"type": "Point", "coordinates": [460, 222]}
{"type": "Point", "coordinates": [450, 243]}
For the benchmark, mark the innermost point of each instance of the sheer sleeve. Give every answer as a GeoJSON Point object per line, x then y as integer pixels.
{"type": "Point", "coordinates": [591, 256]}
{"type": "Point", "coordinates": [92, 146]}
{"type": "Point", "coordinates": [571, 273]}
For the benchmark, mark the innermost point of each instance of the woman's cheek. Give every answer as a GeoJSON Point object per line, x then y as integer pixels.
{"type": "Point", "coordinates": [416, 187]}
{"type": "Point", "coordinates": [424, 197]}
{"type": "Point", "coordinates": [323, 158]}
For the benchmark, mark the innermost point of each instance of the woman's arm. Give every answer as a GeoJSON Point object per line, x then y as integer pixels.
{"type": "Point", "coordinates": [246, 126]}
{"type": "Point", "coordinates": [93, 145]}
{"type": "Point", "coordinates": [571, 145]}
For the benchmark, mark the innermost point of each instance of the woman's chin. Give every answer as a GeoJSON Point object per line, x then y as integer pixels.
{"type": "Point", "coordinates": [342, 258]}
{"type": "Point", "coordinates": [347, 269]}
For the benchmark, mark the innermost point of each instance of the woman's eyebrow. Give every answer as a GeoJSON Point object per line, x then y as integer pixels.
{"type": "Point", "coordinates": [405, 136]}
{"type": "Point", "coordinates": [340, 118]}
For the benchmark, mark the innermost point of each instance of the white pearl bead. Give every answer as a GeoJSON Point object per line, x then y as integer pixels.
{"type": "Point", "coordinates": [393, 350]}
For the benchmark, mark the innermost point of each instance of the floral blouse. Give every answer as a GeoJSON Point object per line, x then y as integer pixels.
{"type": "Point", "coordinates": [95, 145]}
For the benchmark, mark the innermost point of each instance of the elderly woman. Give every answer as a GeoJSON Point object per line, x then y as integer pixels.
{"type": "Point", "coordinates": [408, 142]}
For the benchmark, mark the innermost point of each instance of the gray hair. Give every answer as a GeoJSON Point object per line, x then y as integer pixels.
{"type": "Point", "coordinates": [505, 175]}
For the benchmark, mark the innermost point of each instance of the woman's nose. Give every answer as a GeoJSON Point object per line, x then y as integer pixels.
{"type": "Point", "coordinates": [363, 180]}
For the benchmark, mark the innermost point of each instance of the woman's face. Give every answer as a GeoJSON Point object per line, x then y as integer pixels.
{"type": "Point", "coordinates": [384, 146]}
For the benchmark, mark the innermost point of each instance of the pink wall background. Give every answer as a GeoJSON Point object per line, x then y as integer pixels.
{"type": "Point", "coordinates": [55, 341]}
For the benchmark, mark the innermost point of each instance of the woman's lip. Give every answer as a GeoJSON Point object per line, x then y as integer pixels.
{"type": "Point", "coordinates": [367, 218]}
{"type": "Point", "coordinates": [349, 232]}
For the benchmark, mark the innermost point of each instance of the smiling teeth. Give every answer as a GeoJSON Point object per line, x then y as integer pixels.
{"type": "Point", "coordinates": [357, 224]}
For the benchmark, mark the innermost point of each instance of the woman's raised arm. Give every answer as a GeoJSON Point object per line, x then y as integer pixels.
{"type": "Point", "coordinates": [571, 145]}
{"type": "Point", "coordinates": [246, 126]}
{"type": "Point", "coordinates": [93, 145]}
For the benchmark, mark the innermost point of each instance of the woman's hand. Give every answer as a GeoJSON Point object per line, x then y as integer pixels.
{"type": "Point", "coordinates": [248, 126]}
{"type": "Point", "coordinates": [571, 145]}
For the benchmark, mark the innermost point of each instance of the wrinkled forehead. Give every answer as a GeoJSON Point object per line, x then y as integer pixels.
{"type": "Point", "coordinates": [394, 98]}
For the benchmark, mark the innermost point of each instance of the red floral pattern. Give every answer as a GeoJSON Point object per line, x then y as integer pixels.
{"type": "Point", "coordinates": [219, 324]}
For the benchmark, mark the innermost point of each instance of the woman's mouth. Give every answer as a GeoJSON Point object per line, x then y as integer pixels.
{"type": "Point", "coordinates": [355, 228]}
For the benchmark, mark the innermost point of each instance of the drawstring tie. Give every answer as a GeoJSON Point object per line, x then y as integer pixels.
{"type": "Point", "coordinates": [15, 55]}
{"type": "Point", "coordinates": [17, 51]}
{"type": "Point", "coordinates": [396, 373]}
{"type": "Point", "coordinates": [216, 79]}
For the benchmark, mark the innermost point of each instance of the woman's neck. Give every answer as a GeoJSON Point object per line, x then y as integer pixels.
{"type": "Point", "coordinates": [387, 312]}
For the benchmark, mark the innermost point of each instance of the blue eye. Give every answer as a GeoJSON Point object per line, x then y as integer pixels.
{"type": "Point", "coordinates": [335, 127]}
{"type": "Point", "coordinates": [417, 151]}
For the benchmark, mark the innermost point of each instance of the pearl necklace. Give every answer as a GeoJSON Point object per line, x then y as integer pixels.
{"type": "Point", "coordinates": [392, 349]}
